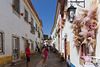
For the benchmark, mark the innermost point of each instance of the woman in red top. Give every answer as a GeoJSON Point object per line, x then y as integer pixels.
{"type": "Point", "coordinates": [27, 50]}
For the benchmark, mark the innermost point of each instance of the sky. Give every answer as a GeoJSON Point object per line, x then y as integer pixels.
{"type": "Point", "coordinates": [46, 11]}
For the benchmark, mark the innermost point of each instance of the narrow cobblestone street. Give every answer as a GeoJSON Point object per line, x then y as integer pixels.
{"type": "Point", "coordinates": [36, 61]}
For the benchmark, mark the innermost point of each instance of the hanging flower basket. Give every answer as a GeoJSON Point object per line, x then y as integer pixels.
{"type": "Point", "coordinates": [62, 23]}
{"type": "Point", "coordinates": [85, 26]}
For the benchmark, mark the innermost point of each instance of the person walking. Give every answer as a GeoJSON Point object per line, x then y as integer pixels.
{"type": "Point", "coordinates": [28, 53]}
{"type": "Point", "coordinates": [43, 50]}
{"type": "Point", "coordinates": [45, 57]}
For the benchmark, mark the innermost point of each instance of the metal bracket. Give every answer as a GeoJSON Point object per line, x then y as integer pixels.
{"type": "Point", "coordinates": [77, 2]}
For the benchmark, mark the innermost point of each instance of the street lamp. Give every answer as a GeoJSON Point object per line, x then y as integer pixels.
{"type": "Point", "coordinates": [71, 13]}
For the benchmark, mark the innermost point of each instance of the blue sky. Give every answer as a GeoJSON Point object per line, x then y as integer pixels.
{"type": "Point", "coordinates": [46, 12]}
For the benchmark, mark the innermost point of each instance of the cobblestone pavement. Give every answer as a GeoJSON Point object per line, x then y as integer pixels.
{"type": "Point", "coordinates": [52, 61]}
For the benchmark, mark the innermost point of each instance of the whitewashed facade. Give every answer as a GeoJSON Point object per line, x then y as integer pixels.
{"type": "Point", "coordinates": [16, 30]}
{"type": "Point", "coordinates": [74, 54]}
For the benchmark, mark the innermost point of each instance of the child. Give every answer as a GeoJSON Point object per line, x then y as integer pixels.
{"type": "Point", "coordinates": [45, 57]}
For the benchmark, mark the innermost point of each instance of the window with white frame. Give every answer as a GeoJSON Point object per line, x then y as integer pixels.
{"type": "Point", "coordinates": [32, 26]}
{"type": "Point", "coordinates": [36, 26]}
{"type": "Point", "coordinates": [32, 21]}
{"type": "Point", "coordinates": [1, 42]}
{"type": "Point", "coordinates": [32, 46]}
{"type": "Point", "coordinates": [16, 6]}
{"type": "Point", "coordinates": [38, 29]}
{"type": "Point", "coordinates": [26, 16]}
{"type": "Point", "coordinates": [16, 48]}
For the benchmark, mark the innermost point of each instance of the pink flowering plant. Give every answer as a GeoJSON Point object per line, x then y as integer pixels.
{"type": "Point", "coordinates": [85, 26]}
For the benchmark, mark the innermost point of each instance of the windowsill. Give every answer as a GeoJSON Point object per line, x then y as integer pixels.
{"type": "Point", "coordinates": [16, 13]}
{"type": "Point", "coordinates": [2, 53]}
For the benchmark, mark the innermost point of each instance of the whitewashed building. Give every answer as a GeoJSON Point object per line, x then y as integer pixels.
{"type": "Point", "coordinates": [19, 25]}
{"type": "Point", "coordinates": [55, 34]}
{"type": "Point", "coordinates": [67, 44]}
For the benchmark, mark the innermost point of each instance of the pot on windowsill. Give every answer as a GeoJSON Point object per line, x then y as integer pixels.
{"type": "Point", "coordinates": [62, 23]}
{"type": "Point", "coordinates": [14, 6]}
{"type": "Point", "coordinates": [25, 18]}
{"type": "Point", "coordinates": [22, 14]}
{"type": "Point", "coordinates": [62, 27]}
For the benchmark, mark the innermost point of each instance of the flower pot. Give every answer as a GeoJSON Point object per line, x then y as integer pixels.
{"type": "Point", "coordinates": [25, 18]}
{"type": "Point", "coordinates": [62, 27]}
{"type": "Point", "coordinates": [62, 23]}
{"type": "Point", "coordinates": [14, 6]}
{"type": "Point", "coordinates": [22, 14]}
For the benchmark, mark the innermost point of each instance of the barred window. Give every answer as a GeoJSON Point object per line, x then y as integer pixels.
{"type": "Point", "coordinates": [26, 16]}
{"type": "Point", "coordinates": [1, 42]}
{"type": "Point", "coordinates": [36, 26]}
{"type": "Point", "coordinates": [32, 26]}
{"type": "Point", "coordinates": [32, 21]}
{"type": "Point", "coordinates": [32, 46]}
{"type": "Point", "coordinates": [16, 6]}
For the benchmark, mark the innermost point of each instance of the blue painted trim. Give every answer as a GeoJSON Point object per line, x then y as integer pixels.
{"type": "Point", "coordinates": [72, 65]}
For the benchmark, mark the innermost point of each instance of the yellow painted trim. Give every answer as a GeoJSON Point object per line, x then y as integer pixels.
{"type": "Point", "coordinates": [4, 60]}
{"type": "Point", "coordinates": [32, 51]}
{"type": "Point", "coordinates": [7, 59]}
{"type": "Point", "coordinates": [31, 11]}
{"type": "Point", "coordinates": [22, 54]}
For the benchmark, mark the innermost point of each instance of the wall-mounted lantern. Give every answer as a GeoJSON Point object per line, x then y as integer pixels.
{"type": "Point", "coordinates": [71, 13]}
{"type": "Point", "coordinates": [71, 10]}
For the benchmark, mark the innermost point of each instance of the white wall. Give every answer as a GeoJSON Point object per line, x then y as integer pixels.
{"type": "Point", "coordinates": [74, 54]}
{"type": "Point", "coordinates": [98, 35]}
{"type": "Point", "coordinates": [10, 24]}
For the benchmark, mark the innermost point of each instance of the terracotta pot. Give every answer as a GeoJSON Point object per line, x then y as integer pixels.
{"type": "Point", "coordinates": [25, 18]}
{"type": "Point", "coordinates": [22, 14]}
{"type": "Point", "coordinates": [62, 23]}
{"type": "Point", "coordinates": [62, 27]}
{"type": "Point", "coordinates": [14, 6]}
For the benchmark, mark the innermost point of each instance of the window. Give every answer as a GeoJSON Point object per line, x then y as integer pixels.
{"type": "Point", "coordinates": [16, 6]}
{"type": "Point", "coordinates": [32, 26]}
{"type": "Point", "coordinates": [32, 21]}
{"type": "Point", "coordinates": [36, 27]}
{"type": "Point", "coordinates": [38, 34]}
{"type": "Point", "coordinates": [26, 16]}
{"type": "Point", "coordinates": [1, 42]}
{"type": "Point", "coordinates": [32, 46]}
{"type": "Point", "coordinates": [15, 48]}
